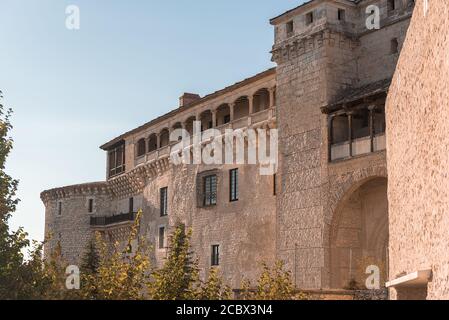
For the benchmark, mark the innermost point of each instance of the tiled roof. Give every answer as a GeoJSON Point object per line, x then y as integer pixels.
{"type": "Point", "coordinates": [354, 94]}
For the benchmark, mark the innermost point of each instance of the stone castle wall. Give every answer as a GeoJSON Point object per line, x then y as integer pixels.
{"type": "Point", "coordinates": [418, 158]}
{"type": "Point", "coordinates": [318, 214]}
{"type": "Point", "coordinates": [70, 225]}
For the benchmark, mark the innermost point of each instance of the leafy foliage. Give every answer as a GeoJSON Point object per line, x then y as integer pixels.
{"type": "Point", "coordinates": [177, 279]}
{"type": "Point", "coordinates": [122, 274]}
{"type": "Point", "coordinates": [273, 284]}
{"type": "Point", "coordinates": [214, 288]}
{"type": "Point", "coordinates": [91, 259]}
{"type": "Point", "coordinates": [111, 272]}
{"type": "Point", "coordinates": [14, 270]}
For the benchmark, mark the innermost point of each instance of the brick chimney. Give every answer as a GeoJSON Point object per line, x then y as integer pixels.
{"type": "Point", "coordinates": [188, 98]}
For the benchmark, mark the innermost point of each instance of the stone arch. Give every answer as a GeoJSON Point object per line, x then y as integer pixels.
{"type": "Point", "coordinates": [358, 231]}
{"type": "Point", "coordinates": [261, 100]}
{"type": "Point", "coordinates": [223, 114]}
{"type": "Point", "coordinates": [241, 107]}
{"type": "Point", "coordinates": [206, 120]}
{"type": "Point", "coordinates": [152, 143]}
{"type": "Point", "coordinates": [177, 129]}
{"type": "Point", "coordinates": [164, 138]}
{"type": "Point", "coordinates": [189, 124]}
{"type": "Point", "coordinates": [141, 147]}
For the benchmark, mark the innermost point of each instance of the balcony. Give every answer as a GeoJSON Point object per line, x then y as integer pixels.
{"type": "Point", "coordinates": [240, 123]}
{"type": "Point", "coordinates": [109, 221]}
{"type": "Point", "coordinates": [360, 147]}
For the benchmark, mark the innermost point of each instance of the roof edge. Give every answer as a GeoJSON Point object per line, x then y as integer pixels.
{"type": "Point", "coordinates": [174, 112]}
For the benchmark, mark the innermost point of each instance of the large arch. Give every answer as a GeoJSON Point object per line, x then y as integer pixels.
{"type": "Point", "coordinates": [358, 236]}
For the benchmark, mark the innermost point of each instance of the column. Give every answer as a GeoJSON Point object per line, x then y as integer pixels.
{"type": "Point", "coordinates": [250, 109]}
{"type": "Point", "coordinates": [214, 118]}
{"type": "Point", "coordinates": [231, 108]}
{"type": "Point", "coordinates": [251, 104]}
{"type": "Point", "coordinates": [158, 140]}
{"type": "Point", "coordinates": [330, 135]}
{"type": "Point", "coordinates": [272, 96]}
{"type": "Point", "coordinates": [371, 125]}
{"type": "Point", "coordinates": [350, 132]}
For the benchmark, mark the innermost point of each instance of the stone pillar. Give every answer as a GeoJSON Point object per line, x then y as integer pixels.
{"type": "Point", "coordinates": [350, 114]}
{"type": "Point", "coordinates": [214, 118]}
{"type": "Point", "coordinates": [231, 108]}
{"type": "Point", "coordinates": [272, 97]}
{"type": "Point", "coordinates": [251, 105]}
{"type": "Point", "coordinates": [170, 131]}
{"type": "Point", "coordinates": [158, 140]}
{"type": "Point", "coordinates": [372, 133]}
{"type": "Point", "coordinates": [330, 135]}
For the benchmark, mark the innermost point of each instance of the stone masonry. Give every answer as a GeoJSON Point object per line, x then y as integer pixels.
{"type": "Point", "coordinates": [325, 211]}
{"type": "Point", "coordinates": [418, 158]}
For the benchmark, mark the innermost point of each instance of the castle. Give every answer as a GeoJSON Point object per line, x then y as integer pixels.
{"type": "Point", "coordinates": [324, 212]}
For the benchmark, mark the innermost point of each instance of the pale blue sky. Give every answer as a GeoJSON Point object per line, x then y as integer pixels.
{"type": "Point", "coordinates": [71, 91]}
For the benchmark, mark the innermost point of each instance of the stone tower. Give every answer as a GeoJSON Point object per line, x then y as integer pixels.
{"type": "Point", "coordinates": [327, 63]}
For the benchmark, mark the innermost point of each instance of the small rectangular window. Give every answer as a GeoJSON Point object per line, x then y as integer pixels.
{"type": "Point", "coordinates": [131, 205]}
{"type": "Point", "coordinates": [164, 201]}
{"type": "Point", "coordinates": [274, 185]}
{"type": "Point", "coordinates": [91, 206]}
{"type": "Point", "coordinates": [161, 237]}
{"type": "Point", "coordinates": [309, 18]}
{"type": "Point", "coordinates": [215, 258]}
{"type": "Point", "coordinates": [391, 5]}
{"type": "Point", "coordinates": [234, 185]}
{"type": "Point", "coordinates": [341, 15]}
{"type": "Point", "coordinates": [210, 190]}
{"type": "Point", "coordinates": [59, 208]}
{"type": "Point", "coordinates": [394, 46]}
{"type": "Point", "coordinates": [290, 28]}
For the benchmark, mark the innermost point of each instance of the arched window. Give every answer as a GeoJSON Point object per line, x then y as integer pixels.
{"type": "Point", "coordinates": [141, 147]}
{"type": "Point", "coordinates": [152, 143]}
{"type": "Point", "coordinates": [223, 114]}
{"type": "Point", "coordinates": [206, 120]}
{"type": "Point", "coordinates": [177, 129]}
{"type": "Point", "coordinates": [261, 100]}
{"type": "Point", "coordinates": [189, 125]}
{"type": "Point", "coordinates": [241, 108]}
{"type": "Point", "coordinates": [164, 138]}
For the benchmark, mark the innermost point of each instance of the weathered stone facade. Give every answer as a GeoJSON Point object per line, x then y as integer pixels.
{"type": "Point", "coordinates": [325, 211]}
{"type": "Point", "coordinates": [418, 159]}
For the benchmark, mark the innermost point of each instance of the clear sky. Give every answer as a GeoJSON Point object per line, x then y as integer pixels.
{"type": "Point", "coordinates": [71, 91]}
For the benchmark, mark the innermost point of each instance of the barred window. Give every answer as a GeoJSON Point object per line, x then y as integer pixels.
{"type": "Point", "coordinates": [215, 257]}
{"type": "Point", "coordinates": [164, 201]}
{"type": "Point", "coordinates": [90, 208]}
{"type": "Point", "coordinates": [234, 185]}
{"type": "Point", "coordinates": [210, 190]}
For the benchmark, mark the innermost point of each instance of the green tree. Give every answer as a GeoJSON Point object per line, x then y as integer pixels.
{"type": "Point", "coordinates": [273, 284]}
{"type": "Point", "coordinates": [12, 243]}
{"type": "Point", "coordinates": [214, 288]}
{"type": "Point", "coordinates": [91, 259]}
{"type": "Point", "coordinates": [178, 278]}
{"type": "Point", "coordinates": [122, 274]}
